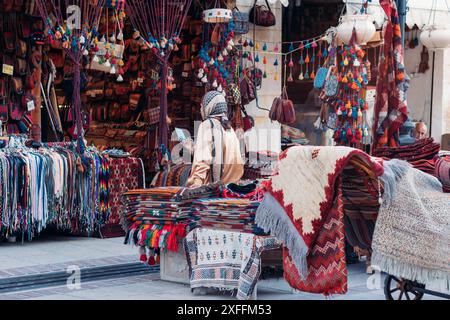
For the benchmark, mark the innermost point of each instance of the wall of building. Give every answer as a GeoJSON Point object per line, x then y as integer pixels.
{"type": "Point", "coordinates": [430, 101]}
{"type": "Point", "coordinates": [267, 135]}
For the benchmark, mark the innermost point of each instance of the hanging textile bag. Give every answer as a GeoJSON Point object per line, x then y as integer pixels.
{"type": "Point", "coordinates": [233, 94]}
{"type": "Point", "coordinates": [3, 111]}
{"type": "Point", "coordinates": [262, 15]}
{"type": "Point", "coordinates": [282, 109]}
{"type": "Point", "coordinates": [153, 115]}
{"type": "Point", "coordinates": [331, 87]}
{"type": "Point", "coordinates": [319, 80]}
{"type": "Point", "coordinates": [248, 91]}
{"type": "Point", "coordinates": [241, 21]}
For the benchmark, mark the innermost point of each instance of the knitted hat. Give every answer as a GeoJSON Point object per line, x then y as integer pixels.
{"type": "Point", "coordinates": [214, 104]}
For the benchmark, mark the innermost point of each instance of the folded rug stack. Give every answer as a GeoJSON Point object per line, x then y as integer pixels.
{"type": "Point", "coordinates": [419, 154]}
{"type": "Point", "coordinates": [157, 217]}
{"type": "Point", "coordinates": [227, 214]}
{"type": "Point", "coordinates": [443, 170]}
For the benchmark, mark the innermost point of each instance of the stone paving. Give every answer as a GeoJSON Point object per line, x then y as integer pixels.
{"type": "Point", "coordinates": [55, 254]}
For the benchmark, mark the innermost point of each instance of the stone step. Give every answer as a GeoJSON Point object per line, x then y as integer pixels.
{"type": "Point", "coordinates": [87, 274]}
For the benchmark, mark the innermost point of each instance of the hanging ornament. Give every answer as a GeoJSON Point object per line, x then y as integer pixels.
{"type": "Point", "coordinates": [120, 35]}
{"type": "Point", "coordinates": [276, 48]}
{"type": "Point", "coordinates": [264, 47]}
{"type": "Point", "coordinates": [251, 44]}
{"type": "Point", "coordinates": [264, 60]}
{"type": "Point", "coordinates": [113, 38]}
{"type": "Point", "coordinates": [291, 47]}
{"type": "Point", "coordinates": [257, 58]}
{"type": "Point", "coordinates": [95, 58]}
{"type": "Point", "coordinates": [113, 70]}
{"type": "Point", "coordinates": [257, 46]}
{"type": "Point", "coordinates": [85, 52]}
{"type": "Point", "coordinates": [107, 64]}
{"type": "Point", "coordinates": [120, 78]}
{"type": "Point", "coordinates": [275, 63]}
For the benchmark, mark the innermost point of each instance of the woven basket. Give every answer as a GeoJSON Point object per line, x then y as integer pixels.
{"type": "Point", "coordinates": [241, 21]}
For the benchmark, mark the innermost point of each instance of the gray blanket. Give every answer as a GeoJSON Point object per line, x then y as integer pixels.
{"type": "Point", "coordinates": [412, 232]}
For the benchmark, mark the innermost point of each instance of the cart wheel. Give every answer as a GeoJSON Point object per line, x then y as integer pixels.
{"type": "Point", "coordinates": [401, 289]}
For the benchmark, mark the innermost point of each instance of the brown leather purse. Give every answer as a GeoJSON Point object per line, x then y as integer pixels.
{"type": "Point", "coordinates": [262, 15]}
{"type": "Point", "coordinates": [282, 109]}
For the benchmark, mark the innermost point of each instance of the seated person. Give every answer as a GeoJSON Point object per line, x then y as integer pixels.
{"type": "Point", "coordinates": [420, 131]}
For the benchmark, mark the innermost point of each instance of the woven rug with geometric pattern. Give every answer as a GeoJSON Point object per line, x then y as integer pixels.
{"type": "Point", "coordinates": [298, 210]}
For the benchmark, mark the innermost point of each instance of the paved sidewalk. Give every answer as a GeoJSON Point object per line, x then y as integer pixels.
{"type": "Point", "coordinates": [53, 253]}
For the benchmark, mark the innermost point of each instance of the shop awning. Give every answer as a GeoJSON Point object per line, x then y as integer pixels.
{"type": "Point", "coordinates": [417, 15]}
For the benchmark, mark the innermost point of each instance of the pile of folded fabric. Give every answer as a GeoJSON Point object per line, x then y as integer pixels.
{"type": "Point", "coordinates": [420, 154]}
{"type": "Point", "coordinates": [154, 218]}
{"type": "Point", "coordinates": [157, 217]}
{"type": "Point", "coordinates": [443, 170]}
{"type": "Point", "coordinates": [230, 214]}
{"type": "Point", "coordinates": [259, 165]}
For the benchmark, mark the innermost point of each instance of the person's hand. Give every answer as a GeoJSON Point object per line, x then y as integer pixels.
{"type": "Point", "coordinates": [188, 145]}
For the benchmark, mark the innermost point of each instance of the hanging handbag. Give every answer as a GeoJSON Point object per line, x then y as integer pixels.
{"type": "Point", "coordinates": [17, 85]}
{"type": "Point", "coordinates": [21, 67]}
{"type": "Point", "coordinates": [8, 5]}
{"type": "Point", "coordinates": [152, 115]}
{"type": "Point", "coordinates": [248, 92]}
{"type": "Point", "coordinates": [134, 101]}
{"type": "Point", "coordinates": [262, 15]}
{"type": "Point", "coordinates": [3, 111]}
{"type": "Point", "coordinates": [21, 49]}
{"type": "Point", "coordinates": [332, 86]}
{"type": "Point", "coordinates": [256, 75]}
{"type": "Point", "coordinates": [216, 35]}
{"type": "Point", "coordinates": [15, 110]}
{"type": "Point", "coordinates": [321, 75]}
{"type": "Point", "coordinates": [241, 21]}
{"type": "Point", "coordinates": [233, 94]}
{"type": "Point", "coordinates": [282, 109]}
{"type": "Point", "coordinates": [3, 88]}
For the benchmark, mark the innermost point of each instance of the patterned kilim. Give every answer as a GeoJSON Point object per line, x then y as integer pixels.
{"type": "Point", "coordinates": [327, 272]}
{"type": "Point", "coordinates": [226, 260]}
{"type": "Point", "coordinates": [298, 218]}
{"type": "Point", "coordinates": [227, 214]}
{"type": "Point", "coordinates": [391, 109]}
{"type": "Point", "coordinates": [420, 154]}
{"type": "Point", "coordinates": [125, 174]}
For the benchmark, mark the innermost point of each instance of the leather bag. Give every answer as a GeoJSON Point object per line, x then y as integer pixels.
{"type": "Point", "coordinates": [282, 109]}
{"type": "Point", "coordinates": [262, 15]}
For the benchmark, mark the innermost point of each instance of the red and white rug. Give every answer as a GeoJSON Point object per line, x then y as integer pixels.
{"type": "Point", "coordinates": [297, 209]}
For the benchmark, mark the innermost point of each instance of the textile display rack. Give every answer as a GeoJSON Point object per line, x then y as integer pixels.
{"type": "Point", "coordinates": [48, 185]}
